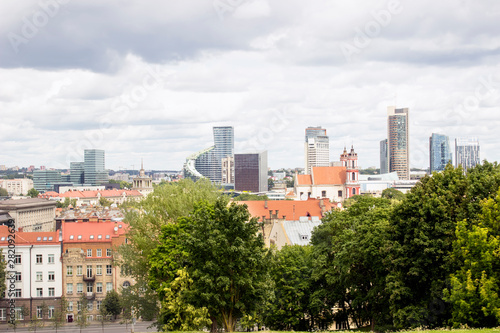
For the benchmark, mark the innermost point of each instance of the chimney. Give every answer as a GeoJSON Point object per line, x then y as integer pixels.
{"type": "Point", "coordinates": [270, 213]}
{"type": "Point", "coordinates": [284, 217]}
{"type": "Point", "coordinates": [276, 214]}
{"type": "Point", "coordinates": [265, 204]}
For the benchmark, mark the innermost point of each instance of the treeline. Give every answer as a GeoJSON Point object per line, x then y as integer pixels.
{"type": "Point", "coordinates": [430, 258]}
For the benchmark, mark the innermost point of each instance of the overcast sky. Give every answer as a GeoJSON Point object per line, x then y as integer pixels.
{"type": "Point", "coordinates": [149, 79]}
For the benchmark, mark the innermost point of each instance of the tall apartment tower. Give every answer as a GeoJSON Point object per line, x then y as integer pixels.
{"type": "Point", "coordinates": [316, 148]}
{"type": "Point", "coordinates": [467, 152]}
{"type": "Point", "coordinates": [224, 147]}
{"type": "Point", "coordinates": [94, 167]}
{"type": "Point", "coordinates": [440, 152]}
{"type": "Point", "coordinates": [398, 141]}
{"type": "Point", "coordinates": [250, 172]}
{"type": "Point", "coordinates": [384, 157]}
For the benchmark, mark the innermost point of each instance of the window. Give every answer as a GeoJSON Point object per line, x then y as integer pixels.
{"type": "Point", "coordinates": [18, 293]}
{"type": "Point", "coordinates": [51, 259]}
{"type": "Point", "coordinates": [52, 292]}
{"type": "Point", "coordinates": [108, 252]}
{"type": "Point", "coordinates": [340, 194]}
{"type": "Point", "coordinates": [19, 313]}
{"type": "Point", "coordinates": [98, 305]}
{"type": "Point", "coordinates": [18, 276]}
{"type": "Point", "coordinates": [79, 288]}
{"type": "Point", "coordinates": [39, 276]}
{"type": "Point", "coordinates": [98, 287]}
{"type": "Point", "coordinates": [39, 292]}
{"type": "Point", "coordinates": [353, 191]}
{"type": "Point", "coordinates": [39, 259]}
{"type": "Point", "coordinates": [353, 176]}
{"type": "Point", "coordinates": [323, 194]}
{"type": "Point", "coordinates": [3, 314]}
{"type": "Point", "coordinates": [98, 269]}
{"type": "Point", "coordinates": [79, 270]}
{"type": "Point", "coordinates": [78, 305]}
{"type": "Point", "coordinates": [69, 270]}
{"type": "Point", "coordinates": [108, 269]}
{"type": "Point", "coordinates": [17, 259]}
{"type": "Point", "coordinates": [90, 287]}
{"type": "Point", "coordinates": [69, 288]}
{"type": "Point", "coordinates": [70, 306]}
{"type": "Point", "coordinates": [89, 252]}
{"type": "Point", "coordinates": [126, 284]}
{"type": "Point", "coordinates": [52, 276]}
{"type": "Point", "coordinates": [109, 286]}
{"type": "Point", "coordinates": [39, 312]}
{"type": "Point", "coordinates": [98, 252]}
{"type": "Point", "coordinates": [89, 271]}
{"type": "Point", "coordinates": [90, 306]}
{"type": "Point", "coordinates": [51, 311]}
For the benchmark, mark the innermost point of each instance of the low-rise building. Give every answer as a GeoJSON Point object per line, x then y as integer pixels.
{"type": "Point", "coordinates": [17, 186]}
{"type": "Point", "coordinates": [89, 264]}
{"type": "Point", "coordinates": [38, 273]}
{"type": "Point", "coordinates": [33, 214]}
{"type": "Point", "coordinates": [91, 198]}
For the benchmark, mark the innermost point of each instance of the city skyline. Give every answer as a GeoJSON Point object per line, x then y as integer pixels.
{"type": "Point", "coordinates": [74, 76]}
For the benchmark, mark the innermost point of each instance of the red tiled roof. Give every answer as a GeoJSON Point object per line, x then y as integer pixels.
{"type": "Point", "coordinates": [333, 175]}
{"type": "Point", "coordinates": [304, 179]}
{"type": "Point", "coordinates": [93, 194]}
{"type": "Point", "coordinates": [27, 238]}
{"type": "Point", "coordinates": [291, 209]}
{"type": "Point", "coordinates": [88, 229]}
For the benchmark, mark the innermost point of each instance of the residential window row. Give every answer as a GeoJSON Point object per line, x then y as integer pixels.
{"type": "Point", "coordinates": [90, 287]}
{"type": "Point", "coordinates": [51, 292]}
{"type": "Point", "coordinates": [51, 276]}
{"type": "Point", "coordinates": [98, 252]}
{"type": "Point", "coordinates": [51, 259]}
{"type": "Point", "coordinates": [79, 270]}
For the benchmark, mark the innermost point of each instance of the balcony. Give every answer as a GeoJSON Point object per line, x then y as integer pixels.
{"type": "Point", "coordinates": [89, 278]}
{"type": "Point", "coordinates": [90, 296]}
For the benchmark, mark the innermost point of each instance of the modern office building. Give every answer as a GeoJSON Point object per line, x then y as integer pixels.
{"type": "Point", "coordinates": [384, 157]}
{"type": "Point", "coordinates": [44, 180]}
{"type": "Point", "coordinates": [250, 172]}
{"type": "Point", "coordinates": [398, 141]}
{"type": "Point", "coordinates": [207, 163]}
{"type": "Point", "coordinates": [467, 152]}
{"type": "Point", "coordinates": [77, 172]}
{"type": "Point", "coordinates": [94, 167]}
{"type": "Point", "coordinates": [440, 152]}
{"type": "Point", "coordinates": [316, 148]}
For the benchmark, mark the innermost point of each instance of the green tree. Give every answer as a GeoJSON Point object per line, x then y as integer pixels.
{"type": "Point", "coordinates": [475, 285]}
{"type": "Point", "coordinates": [112, 303]}
{"type": "Point", "coordinates": [59, 317]}
{"type": "Point", "coordinates": [33, 193]}
{"type": "Point", "coordinates": [290, 271]}
{"type": "Point", "coordinates": [81, 318]}
{"type": "Point", "coordinates": [125, 185]}
{"type": "Point", "coordinates": [251, 197]}
{"type": "Point", "coordinates": [3, 266]}
{"type": "Point", "coordinates": [104, 202]}
{"type": "Point", "coordinates": [177, 314]}
{"type": "Point", "coordinates": [103, 313]}
{"type": "Point", "coordinates": [392, 193]}
{"type": "Point", "coordinates": [349, 248]}
{"type": "Point", "coordinates": [225, 258]}
{"type": "Point", "coordinates": [3, 192]}
{"type": "Point", "coordinates": [270, 184]}
{"type": "Point", "coordinates": [164, 206]}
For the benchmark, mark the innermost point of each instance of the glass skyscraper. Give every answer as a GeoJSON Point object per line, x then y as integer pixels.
{"type": "Point", "coordinates": [94, 169]}
{"type": "Point", "coordinates": [440, 152]}
{"type": "Point", "coordinates": [398, 141]}
{"type": "Point", "coordinates": [467, 152]}
{"type": "Point", "coordinates": [316, 148]}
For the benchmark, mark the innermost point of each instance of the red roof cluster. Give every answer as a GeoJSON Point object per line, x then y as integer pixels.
{"type": "Point", "coordinates": [292, 210]}
{"type": "Point", "coordinates": [28, 238]}
{"type": "Point", "coordinates": [82, 232]}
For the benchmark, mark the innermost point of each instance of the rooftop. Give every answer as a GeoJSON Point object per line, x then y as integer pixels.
{"type": "Point", "coordinates": [29, 238]}
{"type": "Point", "coordinates": [288, 208]}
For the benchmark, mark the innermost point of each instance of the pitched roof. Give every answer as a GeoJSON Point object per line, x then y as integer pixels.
{"type": "Point", "coordinates": [83, 232]}
{"type": "Point", "coordinates": [93, 194]}
{"type": "Point", "coordinates": [304, 179]}
{"type": "Point", "coordinates": [289, 208]}
{"type": "Point", "coordinates": [299, 232]}
{"type": "Point", "coordinates": [333, 175]}
{"type": "Point", "coordinates": [27, 238]}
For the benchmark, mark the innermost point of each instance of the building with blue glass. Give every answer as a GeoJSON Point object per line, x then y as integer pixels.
{"type": "Point", "coordinates": [440, 152]}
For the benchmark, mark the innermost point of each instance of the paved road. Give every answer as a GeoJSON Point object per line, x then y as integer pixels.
{"type": "Point", "coordinates": [94, 328]}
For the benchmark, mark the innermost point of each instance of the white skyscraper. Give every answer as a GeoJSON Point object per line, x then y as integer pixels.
{"type": "Point", "coordinates": [316, 148]}
{"type": "Point", "coordinates": [467, 152]}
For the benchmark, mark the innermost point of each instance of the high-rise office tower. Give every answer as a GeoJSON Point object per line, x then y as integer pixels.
{"type": "Point", "coordinates": [467, 152]}
{"type": "Point", "coordinates": [250, 172]}
{"type": "Point", "coordinates": [94, 169]}
{"type": "Point", "coordinates": [77, 172]}
{"type": "Point", "coordinates": [316, 148]}
{"type": "Point", "coordinates": [398, 141]}
{"type": "Point", "coordinates": [384, 157]}
{"type": "Point", "coordinates": [440, 152]}
{"type": "Point", "coordinates": [224, 147]}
